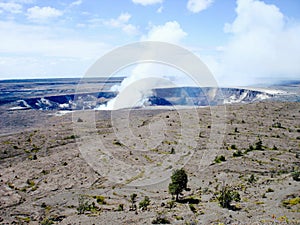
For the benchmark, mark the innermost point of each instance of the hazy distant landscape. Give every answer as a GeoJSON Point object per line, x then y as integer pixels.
{"type": "Point", "coordinates": [62, 94]}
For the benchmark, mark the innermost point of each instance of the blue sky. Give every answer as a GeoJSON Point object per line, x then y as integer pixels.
{"type": "Point", "coordinates": [241, 41]}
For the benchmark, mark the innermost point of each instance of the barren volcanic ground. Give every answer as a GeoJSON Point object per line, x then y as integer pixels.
{"type": "Point", "coordinates": [83, 168]}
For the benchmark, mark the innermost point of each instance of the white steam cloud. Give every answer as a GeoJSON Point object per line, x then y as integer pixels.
{"type": "Point", "coordinates": [136, 88]}
{"type": "Point", "coordinates": [264, 46]}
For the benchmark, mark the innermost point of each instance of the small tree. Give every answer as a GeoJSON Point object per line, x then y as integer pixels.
{"type": "Point", "coordinates": [178, 183]}
{"type": "Point", "coordinates": [228, 195]}
{"type": "Point", "coordinates": [133, 200]}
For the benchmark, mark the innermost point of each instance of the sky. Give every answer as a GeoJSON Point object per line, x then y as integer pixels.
{"type": "Point", "coordinates": [241, 41]}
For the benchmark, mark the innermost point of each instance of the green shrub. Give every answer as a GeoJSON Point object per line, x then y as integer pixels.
{"type": "Point", "coordinates": [258, 145]}
{"type": "Point", "coordinates": [121, 207]}
{"type": "Point", "coordinates": [171, 204]}
{"type": "Point", "coordinates": [251, 179]}
{"type": "Point", "coordinates": [238, 153]}
{"type": "Point", "coordinates": [93, 208]}
{"type": "Point", "coordinates": [144, 203]}
{"type": "Point", "coordinates": [233, 147]}
{"type": "Point", "coordinates": [31, 183]}
{"type": "Point", "coordinates": [220, 159]}
{"type": "Point", "coordinates": [47, 221]}
{"type": "Point", "coordinates": [172, 151]}
{"type": "Point", "coordinates": [251, 148]}
{"type": "Point", "coordinates": [227, 195]}
{"type": "Point", "coordinates": [83, 205]}
{"type": "Point", "coordinates": [117, 142]}
{"type": "Point", "coordinates": [160, 220]}
{"type": "Point", "coordinates": [133, 200]}
{"type": "Point", "coordinates": [192, 208]}
{"type": "Point", "coordinates": [71, 137]}
{"type": "Point", "coordinates": [291, 202]}
{"type": "Point", "coordinates": [296, 175]}
{"type": "Point", "coordinates": [32, 157]}
{"type": "Point", "coordinates": [100, 199]}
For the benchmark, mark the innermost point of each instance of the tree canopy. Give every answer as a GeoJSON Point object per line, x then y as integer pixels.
{"type": "Point", "coordinates": [179, 180]}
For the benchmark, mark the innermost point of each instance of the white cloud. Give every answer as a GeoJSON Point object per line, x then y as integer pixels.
{"type": "Point", "coordinates": [43, 51]}
{"type": "Point", "coordinates": [130, 29]}
{"type": "Point", "coordinates": [41, 67]}
{"type": "Point", "coordinates": [262, 45]}
{"type": "Point", "coordinates": [76, 3]}
{"type": "Point", "coordinates": [121, 22]}
{"type": "Point", "coordinates": [24, 1]}
{"type": "Point", "coordinates": [255, 15]}
{"type": "Point", "coordinates": [42, 13]}
{"type": "Point", "coordinates": [147, 2]}
{"type": "Point", "coordinates": [196, 6]}
{"type": "Point", "coordinates": [169, 32]}
{"type": "Point", "coordinates": [45, 41]}
{"type": "Point", "coordinates": [124, 18]}
{"type": "Point", "coordinates": [11, 7]}
{"type": "Point", "coordinates": [160, 9]}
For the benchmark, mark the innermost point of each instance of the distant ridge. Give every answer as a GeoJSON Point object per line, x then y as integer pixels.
{"type": "Point", "coordinates": [62, 94]}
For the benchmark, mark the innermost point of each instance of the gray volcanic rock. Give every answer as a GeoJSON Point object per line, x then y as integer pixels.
{"type": "Point", "coordinates": [47, 167]}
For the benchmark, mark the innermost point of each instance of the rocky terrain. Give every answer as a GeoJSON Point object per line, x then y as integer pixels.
{"type": "Point", "coordinates": [83, 167]}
